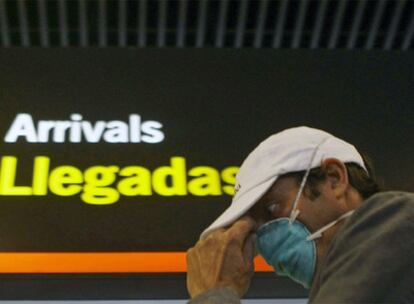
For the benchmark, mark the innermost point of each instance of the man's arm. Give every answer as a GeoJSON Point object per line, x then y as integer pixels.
{"type": "Point", "coordinates": [217, 296]}
{"type": "Point", "coordinates": [224, 260]}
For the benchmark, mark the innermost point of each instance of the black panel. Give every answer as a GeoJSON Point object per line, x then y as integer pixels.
{"type": "Point", "coordinates": [215, 106]}
{"type": "Point", "coordinates": [128, 287]}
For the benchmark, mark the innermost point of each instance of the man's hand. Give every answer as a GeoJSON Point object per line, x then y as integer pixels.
{"type": "Point", "coordinates": [223, 259]}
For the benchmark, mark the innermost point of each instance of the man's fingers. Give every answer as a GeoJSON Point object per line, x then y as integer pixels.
{"type": "Point", "coordinates": [241, 229]}
{"type": "Point", "coordinates": [250, 247]}
{"type": "Point", "coordinates": [213, 234]}
{"type": "Point", "coordinates": [221, 259]}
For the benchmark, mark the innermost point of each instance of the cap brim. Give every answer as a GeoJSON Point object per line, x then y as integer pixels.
{"type": "Point", "coordinates": [239, 207]}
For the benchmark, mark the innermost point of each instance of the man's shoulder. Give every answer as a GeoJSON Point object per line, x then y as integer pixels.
{"type": "Point", "coordinates": [382, 212]}
{"type": "Point", "coordinates": [381, 223]}
{"type": "Point", "coordinates": [369, 252]}
{"type": "Point", "coordinates": [385, 205]}
{"type": "Point", "coordinates": [391, 197]}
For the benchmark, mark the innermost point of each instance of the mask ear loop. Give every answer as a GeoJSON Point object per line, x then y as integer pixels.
{"type": "Point", "coordinates": [318, 233]}
{"type": "Point", "coordinates": [295, 212]}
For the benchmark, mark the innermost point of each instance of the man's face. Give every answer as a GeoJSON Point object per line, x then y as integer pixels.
{"type": "Point", "coordinates": [278, 202]}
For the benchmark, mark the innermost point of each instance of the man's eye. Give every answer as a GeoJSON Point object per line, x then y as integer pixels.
{"type": "Point", "coordinates": [273, 207]}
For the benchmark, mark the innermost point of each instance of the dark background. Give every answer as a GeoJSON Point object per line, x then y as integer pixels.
{"type": "Point", "coordinates": [216, 106]}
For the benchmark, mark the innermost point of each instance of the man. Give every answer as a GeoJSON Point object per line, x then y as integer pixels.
{"type": "Point", "coordinates": [308, 203]}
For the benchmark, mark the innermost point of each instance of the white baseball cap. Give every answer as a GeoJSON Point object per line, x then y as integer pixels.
{"type": "Point", "coordinates": [292, 150]}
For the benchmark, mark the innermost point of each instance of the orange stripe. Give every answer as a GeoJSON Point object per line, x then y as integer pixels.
{"type": "Point", "coordinates": [93, 262]}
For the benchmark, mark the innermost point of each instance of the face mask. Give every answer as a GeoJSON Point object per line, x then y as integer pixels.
{"type": "Point", "coordinates": [288, 246]}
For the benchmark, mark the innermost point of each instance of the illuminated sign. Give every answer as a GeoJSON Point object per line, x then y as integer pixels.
{"type": "Point", "coordinates": [76, 129]}
{"type": "Point", "coordinates": [99, 184]}
{"type": "Point", "coordinates": [102, 185]}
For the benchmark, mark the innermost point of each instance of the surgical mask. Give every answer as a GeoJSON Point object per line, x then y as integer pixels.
{"type": "Point", "coordinates": [288, 246]}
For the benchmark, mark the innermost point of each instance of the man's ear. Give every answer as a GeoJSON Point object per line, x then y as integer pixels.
{"type": "Point", "coordinates": [336, 175]}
